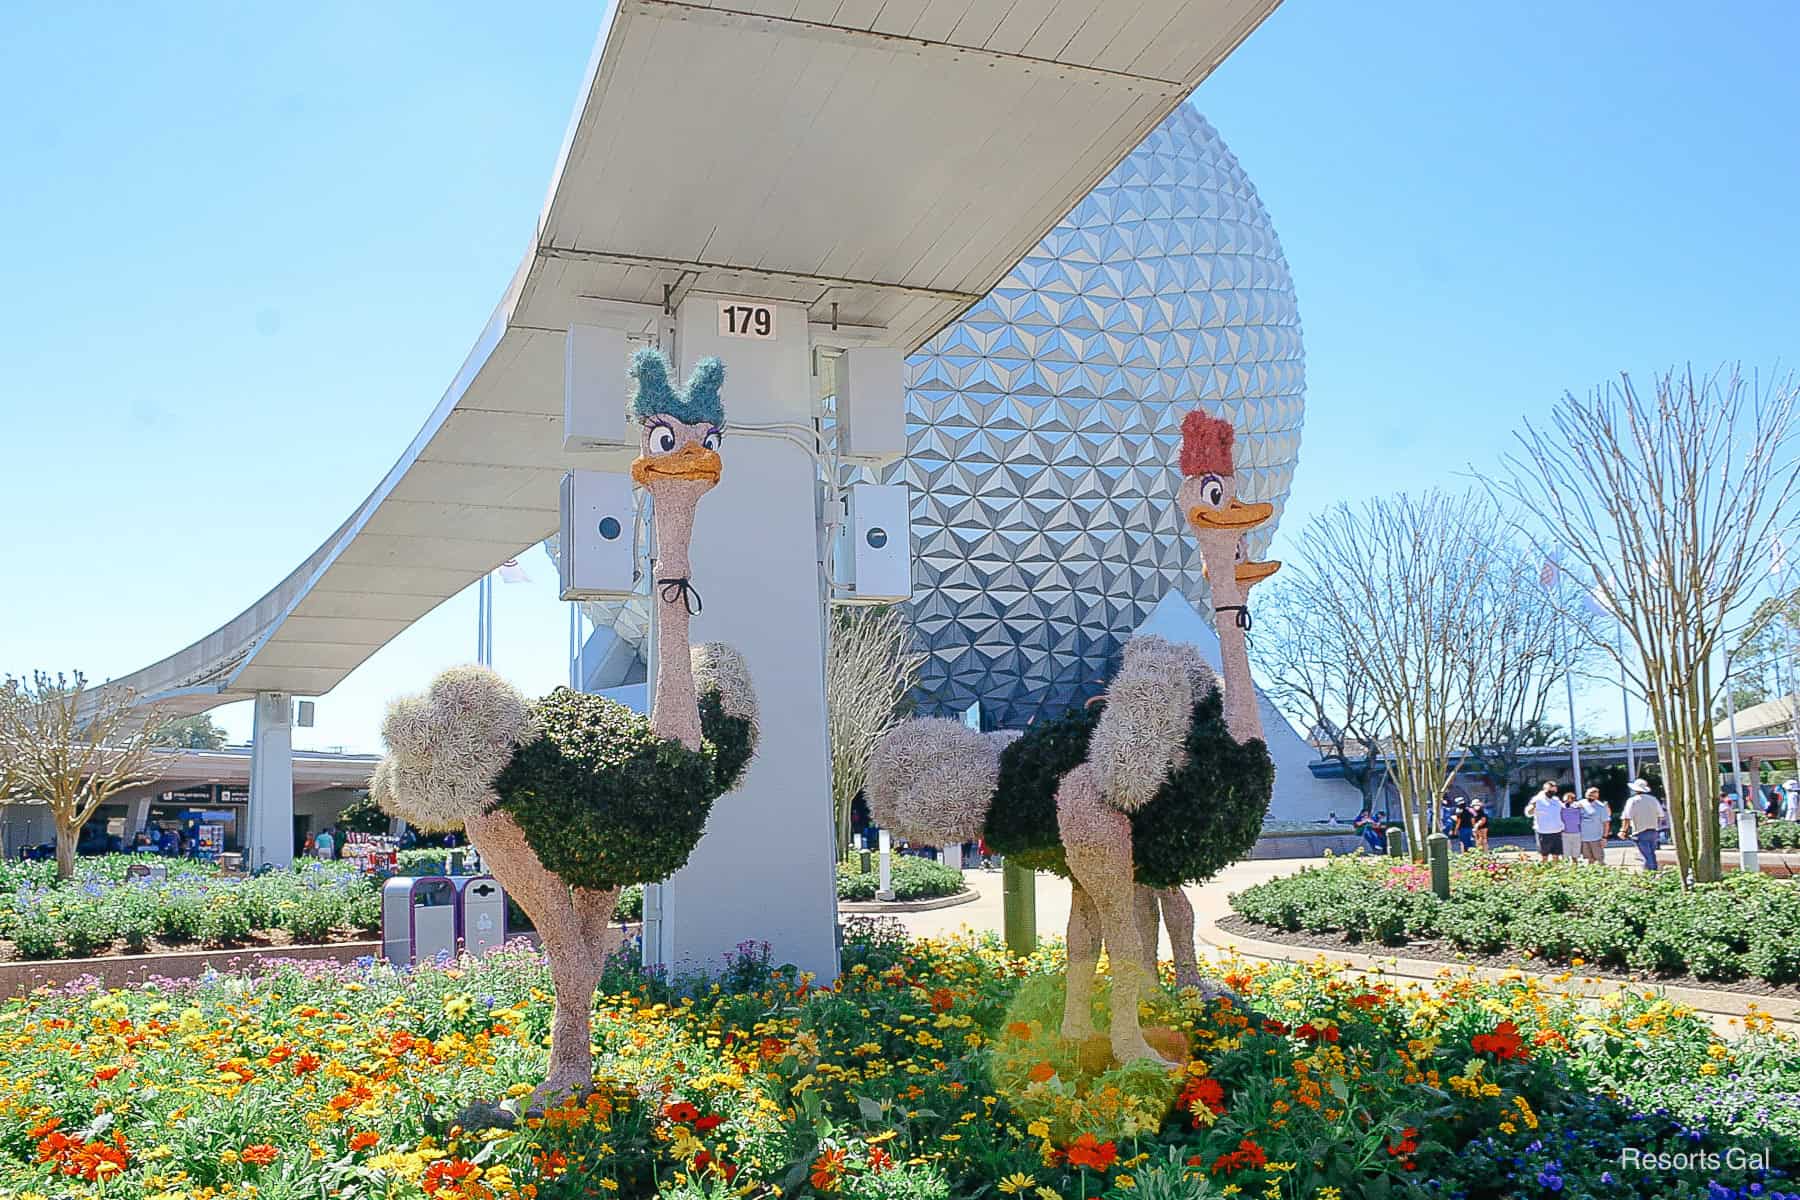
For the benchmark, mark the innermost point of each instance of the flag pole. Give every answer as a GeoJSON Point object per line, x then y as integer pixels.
{"type": "Point", "coordinates": [1569, 686]}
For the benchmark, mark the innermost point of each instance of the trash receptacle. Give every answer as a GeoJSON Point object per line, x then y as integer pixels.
{"type": "Point", "coordinates": [480, 913]}
{"type": "Point", "coordinates": [418, 918]}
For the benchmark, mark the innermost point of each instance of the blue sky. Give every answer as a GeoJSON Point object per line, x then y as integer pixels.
{"type": "Point", "coordinates": [246, 247]}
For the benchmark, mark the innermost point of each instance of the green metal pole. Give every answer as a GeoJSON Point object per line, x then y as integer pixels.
{"type": "Point", "coordinates": [1396, 842]}
{"type": "Point", "coordinates": [1018, 890]}
{"type": "Point", "coordinates": [1437, 853]}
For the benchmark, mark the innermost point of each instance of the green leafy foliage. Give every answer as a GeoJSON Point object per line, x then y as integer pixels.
{"type": "Point", "coordinates": [602, 800]}
{"type": "Point", "coordinates": [913, 878]}
{"type": "Point", "coordinates": [1021, 822]}
{"type": "Point", "coordinates": [1744, 926]}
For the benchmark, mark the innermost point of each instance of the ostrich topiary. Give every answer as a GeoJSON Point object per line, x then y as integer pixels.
{"type": "Point", "coordinates": [574, 797]}
{"type": "Point", "coordinates": [1164, 781]}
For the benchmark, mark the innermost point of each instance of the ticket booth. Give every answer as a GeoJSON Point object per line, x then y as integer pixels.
{"type": "Point", "coordinates": [418, 919]}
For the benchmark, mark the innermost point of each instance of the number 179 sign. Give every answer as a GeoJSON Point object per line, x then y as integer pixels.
{"type": "Point", "coordinates": [740, 320]}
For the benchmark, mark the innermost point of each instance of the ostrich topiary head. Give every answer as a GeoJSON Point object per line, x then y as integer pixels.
{"type": "Point", "coordinates": [682, 427]}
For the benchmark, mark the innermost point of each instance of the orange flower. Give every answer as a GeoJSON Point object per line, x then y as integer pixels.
{"type": "Point", "coordinates": [827, 1170]}
{"type": "Point", "coordinates": [1041, 1072]}
{"type": "Point", "coordinates": [1247, 1156]}
{"type": "Point", "coordinates": [446, 1172]}
{"type": "Point", "coordinates": [1020, 1030]}
{"type": "Point", "coordinates": [259, 1155]}
{"type": "Point", "coordinates": [942, 1000]}
{"type": "Point", "coordinates": [1503, 1043]}
{"type": "Point", "coordinates": [306, 1063]}
{"type": "Point", "coordinates": [1085, 1151]}
{"type": "Point", "coordinates": [103, 1075]}
{"type": "Point", "coordinates": [278, 1055]}
{"type": "Point", "coordinates": [879, 1160]}
{"type": "Point", "coordinates": [97, 1161]}
{"type": "Point", "coordinates": [364, 1140]}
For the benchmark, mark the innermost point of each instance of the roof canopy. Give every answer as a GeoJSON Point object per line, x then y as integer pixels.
{"type": "Point", "coordinates": [883, 162]}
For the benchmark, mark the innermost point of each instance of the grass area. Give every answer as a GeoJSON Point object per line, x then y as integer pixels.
{"type": "Point", "coordinates": [1743, 927]}
{"type": "Point", "coordinates": [931, 1070]}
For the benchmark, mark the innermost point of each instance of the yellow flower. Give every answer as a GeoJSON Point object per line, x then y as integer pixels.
{"type": "Point", "coordinates": [457, 1005]}
{"type": "Point", "coordinates": [1038, 1129]}
{"type": "Point", "coordinates": [1125, 1181]}
{"type": "Point", "coordinates": [1017, 1182]}
{"type": "Point", "coordinates": [1329, 1193]}
{"type": "Point", "coordinates": [1045, 1193]}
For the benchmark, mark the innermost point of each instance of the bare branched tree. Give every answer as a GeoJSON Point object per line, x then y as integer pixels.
{"type": "Point", "coordinates": [1534, 646]}
{"type": "Point", "coordinates": [73, 748]}
{"type": "Point", "coordinates": [1669, 504]}
{"type": "Point", "coordinates": [1403, 581]}
{"type": "Point", "coordinates": [1303, 658]}
{"type": "Point", "coordinates": [871, 664]}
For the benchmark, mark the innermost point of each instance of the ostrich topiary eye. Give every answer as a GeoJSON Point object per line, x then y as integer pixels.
{"type": "Point", "coordinates": [712, 439]}
{"type": "Point", "coordinates": [662, 439]}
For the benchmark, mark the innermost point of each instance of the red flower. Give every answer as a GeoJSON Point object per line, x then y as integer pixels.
{"type": "Point", "coordinates": [827, 1169]}
{"type": "Point", "coordinates": [682, 1113]}
{"type": "Point", "coordinates": [306, 1063]}
{"type": "Point", "coordinates": [364, 1140]}
{"type": "Point", "coordinates": [942, 1000]}
{"type": "Point", "coordinates": [1316, 1033]}
{"type": "Point", "coordinates": [1085, 1151]}
{"type": "Point", "coordinates": [1503, 1043]}
{"type": "Point", "coordinates": [103, 1075]}
{"type": "Point", "coordinates": [1274, 1027]}
{"type": "Point", "coordinates": [879, 1160]}
{"type": "Point", "coordinates": [1247, 1156]}
{"type": "Point", "coordinates": [708, 1124]}
{"type": "Point", "coordinates": [1408, 1144]}
{"type": "Point", "coordinates": [259, 1155]}
{"type": "Point", "coordinates": [1202, 1093]}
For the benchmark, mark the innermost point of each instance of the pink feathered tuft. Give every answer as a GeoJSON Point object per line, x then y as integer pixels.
{"type": "Point", "coordinates": [1206, 444]}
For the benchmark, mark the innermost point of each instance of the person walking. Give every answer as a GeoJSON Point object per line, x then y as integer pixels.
{"type": "Point", "coordinates": [1595, 817]}
{"type": "Point", "coordinates": [1642, 821]}
{"type": "Point", "coordinates": [1465, 824]}
{"type": "Point", "coordinates": [323, 845]}
{"type": "Point", "coordinates": [1790, 807]}
{"type": "Point", "coordinates": [1545, 811]}
{"type": "Point", "coordinates": [1478, 824]}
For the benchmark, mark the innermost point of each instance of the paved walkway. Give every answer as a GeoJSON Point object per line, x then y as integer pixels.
{"type": "Point", "coordinates": [1210, 901]}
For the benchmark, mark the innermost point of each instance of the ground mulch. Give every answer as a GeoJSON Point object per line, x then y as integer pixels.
{"type": "Point", "coordinates": [1439, 950]}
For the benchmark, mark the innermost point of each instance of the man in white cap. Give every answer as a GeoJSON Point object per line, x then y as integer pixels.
{"type": "Point", "coordinates": [1790, 800]}
{"type": "Point", "coordinates": [1642, 821]}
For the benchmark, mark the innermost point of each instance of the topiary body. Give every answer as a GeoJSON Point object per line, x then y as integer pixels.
{"type": "Point", "coordinates": [603, 802]}
{"type": "Point", "coordinates": [1206, 815]}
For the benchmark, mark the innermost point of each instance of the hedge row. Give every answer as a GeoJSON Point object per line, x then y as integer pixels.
{"type": "Point", "coordinates": [1746, 926]}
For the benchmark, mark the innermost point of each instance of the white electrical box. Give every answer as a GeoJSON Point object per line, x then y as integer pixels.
{"type": "Point", "coordinates": [871, 404]}
{"type": "Point", "coordinates": [303, 714]}
{"type": "Point", "coordinates": [873, 559]}
{"type": "Point", "coordinates": [596, 388]}
{"type": "Point", "coordinates": [599, 546]}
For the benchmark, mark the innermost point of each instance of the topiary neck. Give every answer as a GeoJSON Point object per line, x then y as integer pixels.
{"type": "Point", "coordinates": [675, 712]}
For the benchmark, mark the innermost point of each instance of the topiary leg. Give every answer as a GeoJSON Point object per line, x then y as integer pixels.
{"type": "Point", "coordinates": [1084, 959]}
{"type": "Point", "coordinates": [574, 967]}
{"type": "Point", "coordinates": [1149, 923]}
{"type": "Point", "coordinates": [1178, 915]}
{"type": "Point", "coordinates": [1097, 844]}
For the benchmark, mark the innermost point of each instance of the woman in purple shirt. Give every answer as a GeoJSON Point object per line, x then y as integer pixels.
{"type": "Point", "coordinates": [1571, 827]}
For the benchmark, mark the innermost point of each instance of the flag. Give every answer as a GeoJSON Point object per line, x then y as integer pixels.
{"type": "Point", "coordinates": [1598, 602]}
{"type": "Point", "coordinates": [512, 572]}
{"type": "Point", "coordinates": [1551, 575]}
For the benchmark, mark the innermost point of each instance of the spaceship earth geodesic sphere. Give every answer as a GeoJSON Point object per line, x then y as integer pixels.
{"type": "Point", "coordinates": [1043, 427]}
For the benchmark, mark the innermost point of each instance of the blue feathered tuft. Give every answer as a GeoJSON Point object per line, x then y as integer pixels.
{"type": "Point", "coordinates": [698, 403]}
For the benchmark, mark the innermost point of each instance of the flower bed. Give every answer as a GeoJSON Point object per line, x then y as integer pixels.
{"type": "Point", "coordinates": [1743, 927]}
{"type": "Point", "coordinates": [913, 878]}
{"type": "Point", "coordinates": [102, 912]}
{"type": "Point", "coordinates": [930, 1071]}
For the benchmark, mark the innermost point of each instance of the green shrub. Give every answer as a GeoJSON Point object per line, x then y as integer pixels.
{"type": "Point", "coordinates": [36, 937]}
{"type": "Point", "coordinates": [601, 799]}
{"type": "Point", "coordinates": [913, 878]}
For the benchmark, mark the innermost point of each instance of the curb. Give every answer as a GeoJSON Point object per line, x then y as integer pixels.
{"type": "Point", "coordinates": [124, 970]}
{"type": "Point", "coordinates": [967, 896]}
{"type": "Point", "coordinates": [1713, 1003]}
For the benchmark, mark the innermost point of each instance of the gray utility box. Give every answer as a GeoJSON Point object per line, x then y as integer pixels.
{"type": "Point", "coordinates": [418, 919]}
{"type": "Point", "coordinates": [480, 913]}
